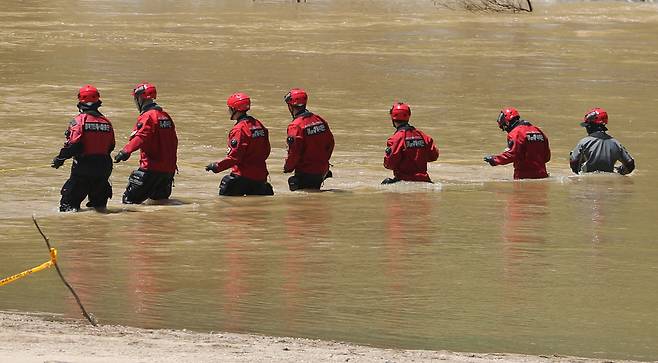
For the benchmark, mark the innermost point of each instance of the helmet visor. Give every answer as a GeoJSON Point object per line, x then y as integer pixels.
{"type": "Point", "coordinates": [501, 119]}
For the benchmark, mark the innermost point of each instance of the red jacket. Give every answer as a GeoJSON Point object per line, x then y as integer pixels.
{"type": "Point", "coordinates": [89, 139]}
{"type": "Point", "coordinates": [527, 148]}
{"type": "Point", "coordinates": [407, 153]}
{"type": "Point", "coordinates": [155, 135]}
{"type": "Point", "coordinates": [248, 148]}
{"type": "Point", "coordinates": [88, 134]}
{"type": "Point", "coordinates": [310, 145]}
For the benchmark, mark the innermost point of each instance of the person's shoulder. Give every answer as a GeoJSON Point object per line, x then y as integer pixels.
{"type": "Point", "coordinates": [428, 137]}
{"type": "Point", "coordinates": [519, 130]}
{"type": "Point", "coordinates": [78, 119]}
{"type": "Point", "coordinates": [305, 118]}
{"type": "Point", "coordinates": [237, 127]}
{"type": "Point", "coordinates": [256, 121]}
{"type": "Point", "coordinates": [397, 135]}
{"type": "Point", "coordinates": [298, 122]}
{"type": "Point", "coordinates": [605, 136]}
{"type": "Point", "coordinates": [612, 139]}
{"type": "Point", "coordinates": [107, 119]}
{"type": "Point", "coordinates": [295, 128]}
{"type": "Point", "coordinates": [537, 128]}
{"type": "Point", "coordinates": [540, 130]}
{"type": "Point", "coordinates": [148, 114]}
{"type": "Point", "coordinates": [530, 126]}
{"type": "Point", "coordinates": [161, 112]}
{"type": "Point", "coordinates": [260, 124]}
{"type": "Point", "coordinates": [582, 142]}
{"type": "Point", "coordinates": [317, 117]}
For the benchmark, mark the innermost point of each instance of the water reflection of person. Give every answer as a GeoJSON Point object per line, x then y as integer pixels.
{"type": "Point", "coordinates": [86, 271]}
{"type": "Point", "coordinates": [403, 234]}
{"type": "Point", "coordinates": [147, 261]}
{"type": "Point", "coordinates": [307, 221]}
{"type": "Point", "coordinates": [525, 217]}
{"type": "Point", "coordinates": [595, 197]}
{"type": "Point", "coordinates": [236, 264]}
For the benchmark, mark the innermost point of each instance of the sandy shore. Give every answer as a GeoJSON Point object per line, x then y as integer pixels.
{"type": "Point", "coordinates": [30, 338]}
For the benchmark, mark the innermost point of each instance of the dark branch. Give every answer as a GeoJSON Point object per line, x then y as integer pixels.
{"type": "Point", "coordinates": [90, 317]}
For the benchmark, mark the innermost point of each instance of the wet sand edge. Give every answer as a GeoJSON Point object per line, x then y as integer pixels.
{"type": "Point", "coordinates": [32, 338]}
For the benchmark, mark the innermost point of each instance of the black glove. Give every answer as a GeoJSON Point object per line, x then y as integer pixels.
{"type": "Point", "coordinates": [57, 162]}
{"type": "Point", "coordinates": [490, 159]}
{"type": "Point", "coordinates": [121, 156]}
{"type": "Point", "coordinates": [621, 170]}
{"type": "Point", "coordinates": [211, 167]}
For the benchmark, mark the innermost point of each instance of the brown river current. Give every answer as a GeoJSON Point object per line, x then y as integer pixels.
{"type": "Point", "coordinates": [474, 262]}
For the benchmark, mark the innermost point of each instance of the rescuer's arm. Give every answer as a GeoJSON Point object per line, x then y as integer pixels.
{"type": "Point", "coordinates": [237, 144]}
{"type": "Point", "coordinates": [144, 130]}
{"type": "Point", "coordinates": [432, 150]}
{"type": "Point", "coordinates": [393, 152]}
{"type": "Point", "coordinates": [627, 162]}
{"type": "Point", "coordinates": [73, 145]}
{"type": "Point", "coordinates": [295, 143]}
{"type": "Point", "coordinates": [511, 152]}
{"type": "Point", "coordinates": [576, 157]}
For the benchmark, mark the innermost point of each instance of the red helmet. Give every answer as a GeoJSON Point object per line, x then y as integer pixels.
{"type": "Point", "coordinates": [296, 97]}
{"type": "Point", "coordinates": [400, 112]}
{"type": "Point", "coordinates": [506, 116]}
{"type": "Point", "coordinates": [239, 102]}
{"type": "Point", "coordinates": [88, 94]}
{"type": "Point", "coordinates": [595, 116]}
{"type": "Point", "coordinates": [145, 91]}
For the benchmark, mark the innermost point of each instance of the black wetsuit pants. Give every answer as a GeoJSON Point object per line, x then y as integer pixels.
{"type": "Point", "coordinates": [236, 185]}
{"type": "Point", "coordinates": [144, 184]}
{"type": "Point", "coordinates": [80, 186]}
{"type": "Point", "coordinates": [307, 181]}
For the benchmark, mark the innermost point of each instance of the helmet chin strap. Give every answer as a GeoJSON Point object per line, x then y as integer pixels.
{"type": "Point", "coordinates": [296, 110]}
{"type": "Point", "coordinates": [592, 128]}
{"type": "Point", "coordinates": [138, 103]}
{"type": "Point", "coordinates": [512, 124]}
{"type": "Point", "coordinates": [141, 103]}
{"type": "Point", "coordinates": [233, 113]}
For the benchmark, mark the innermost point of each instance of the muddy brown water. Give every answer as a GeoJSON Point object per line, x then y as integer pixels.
{"type": "Point", "coordinates": [474, 262]}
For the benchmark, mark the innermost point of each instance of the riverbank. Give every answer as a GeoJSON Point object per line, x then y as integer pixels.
{"type": "Point", "coordinates": [30, 338]}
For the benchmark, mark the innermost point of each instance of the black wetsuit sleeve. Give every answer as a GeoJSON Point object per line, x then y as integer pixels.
{"type": "Point", "coordinates": [70, 150]}
{"type": "Point", "coordinates": [627, 160]}
{"type": "Point", "coordinates": [627, 167]}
